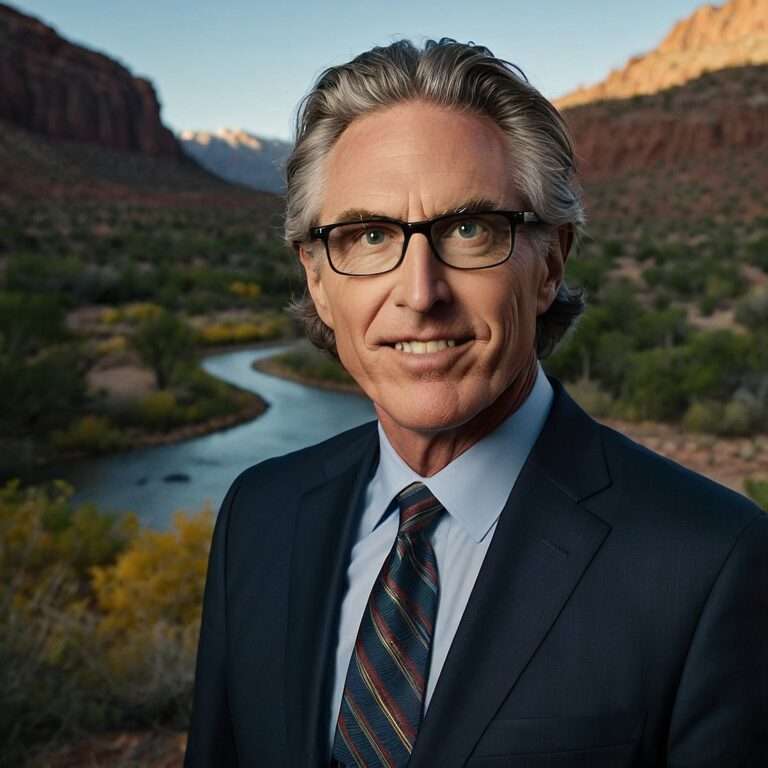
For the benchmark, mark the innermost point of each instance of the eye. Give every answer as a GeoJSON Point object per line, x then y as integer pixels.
{"type": "Point", "coordinates": [467, 228]}
{"type": "Point", "coordinates": [371, 236]}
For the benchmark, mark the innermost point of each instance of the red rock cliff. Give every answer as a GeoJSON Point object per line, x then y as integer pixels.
{"type": "Point", "coordinates": [734, 34]}
{"type": "Point", "coordinates": [727, 109]}
{"type": "Point", "coordinates": [64, 91]}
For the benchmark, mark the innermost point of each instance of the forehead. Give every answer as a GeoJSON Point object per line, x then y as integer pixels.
{"type": "Point", "coordinates": [417, 159]}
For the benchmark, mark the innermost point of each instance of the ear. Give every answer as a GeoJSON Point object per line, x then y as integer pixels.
{"type": "Point", "coordinates": [557, 254]}
{"type": "Point", "coordinates": [313, 272]}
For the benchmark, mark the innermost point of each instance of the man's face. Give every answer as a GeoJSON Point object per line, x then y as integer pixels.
{"type": "Point", "coordinates": [415, 161]}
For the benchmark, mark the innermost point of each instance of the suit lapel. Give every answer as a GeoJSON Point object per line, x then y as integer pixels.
{"type": "Point", "coordinates": [326, 526]}
{"type": "Point", "coordinates": [544, 541]}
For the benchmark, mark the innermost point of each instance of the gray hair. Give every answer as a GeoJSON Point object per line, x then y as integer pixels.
{"type": "Point", "coordinates": [465, 77]}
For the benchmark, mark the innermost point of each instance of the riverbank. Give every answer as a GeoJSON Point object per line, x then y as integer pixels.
{"type": "Point", "coordinates": [129, 388]}
{"type": "Point", "coordinates": [274, 367]}
{"type": "Point", "coordinates": [253, 405]}
{"type": "Point", "coordinates": [306, 364]}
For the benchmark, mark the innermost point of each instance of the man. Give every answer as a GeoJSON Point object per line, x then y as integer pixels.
{"type": "Point", "coordinates": [484, 576]}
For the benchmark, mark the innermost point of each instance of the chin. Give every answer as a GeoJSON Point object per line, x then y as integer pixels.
{"type": "Point", "coordinates": [428, 408]}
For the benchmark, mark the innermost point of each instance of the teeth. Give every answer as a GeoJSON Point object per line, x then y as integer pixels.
{"type": "Point", "coordinates": [423, 347]}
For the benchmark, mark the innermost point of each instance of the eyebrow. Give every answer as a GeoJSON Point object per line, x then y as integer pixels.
{"type": "Point", "coordinates": [473, 205]}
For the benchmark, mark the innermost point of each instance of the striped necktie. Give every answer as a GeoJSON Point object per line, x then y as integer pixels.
{"type": "Point", "coordinates": [382, 704]}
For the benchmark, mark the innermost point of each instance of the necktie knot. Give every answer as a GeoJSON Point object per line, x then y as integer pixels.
{"type": "Point", "coordinates": [419, 510]}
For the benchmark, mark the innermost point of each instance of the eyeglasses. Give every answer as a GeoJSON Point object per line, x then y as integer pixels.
{"type": "Point", "coordinates": [460, 240]}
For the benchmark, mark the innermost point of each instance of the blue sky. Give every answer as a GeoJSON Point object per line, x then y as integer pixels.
{"type": "Point", "coordinates": [247, 64]}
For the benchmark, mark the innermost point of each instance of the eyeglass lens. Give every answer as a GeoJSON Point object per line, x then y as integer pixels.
{"type": "Point", "coordinates": [468, 241]}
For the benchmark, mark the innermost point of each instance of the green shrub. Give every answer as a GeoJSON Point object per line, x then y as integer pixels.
{"type": "Point", "coordinates": [312, 364]}
{"type": "Point", "coordinates": [41, 529]}
{"type": "Point", "coordinates": [757, 253]}
{"type": "Point", "coordinates": [647, 251]}
{"type": "Point", "coordinates": [704, 416]}
{"type": "Point", "coordinates": [28, 322]}
{"type": "Point", "coordinates": [613, 249]}
{"type": "Point", "coordinates": [588, 271]}
{"type": "Point", "coordinates": [159, 410]}
{"type": "Point", "coordinates": [707, 305]}
{"type": "Point", "coordinates": [592, 398]}
{"type": "Point", "coordinates": [752, 310]}
{"type": "Point", "coordinates": [738, 418]}
{"type": "Point", "coordinates": [89, 434]}
{"type": "Point", "coordinates": [43, 393]}
{"type": "Point", "coordinates": [757, 489]}
{"type": "Point", "coordinates": [743, 414]}
{"type": "Point", "coordinates": [652, 386]}
{"type": "Point", "coordinates": [715, 363]}
{"type": "Point", "coordinates": [666, 327]}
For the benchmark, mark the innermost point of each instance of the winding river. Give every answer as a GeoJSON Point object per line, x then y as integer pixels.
{"type": "Point", "coordinates": [155, 482]}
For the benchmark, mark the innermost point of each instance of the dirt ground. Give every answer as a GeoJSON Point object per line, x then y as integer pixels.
{"type": "Point", "coordinates": [123, 382]}
{"type": "Point", "coordinates": [141, 749]}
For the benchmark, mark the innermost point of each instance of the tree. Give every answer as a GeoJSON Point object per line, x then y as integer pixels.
{"type": "Point", "coordinates": [652, 387]}
{"type": "Point", "coordinates": [164, 343]}
{"type": "Point", "coordinates": [28, 323]}
{"type": "Point", "coordinates": [717, 362]}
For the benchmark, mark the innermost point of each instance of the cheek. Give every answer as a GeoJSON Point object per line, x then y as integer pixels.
{"type": "Point", "coordinates": [354, 311]}
{"type": "Point", "coordinates": [511, 315]}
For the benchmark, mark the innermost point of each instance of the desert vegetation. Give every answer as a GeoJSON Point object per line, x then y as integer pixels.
{"type": "Point", "coordinates": [99, 619]}
{"type": "Point", "coordinates": [114, 304]}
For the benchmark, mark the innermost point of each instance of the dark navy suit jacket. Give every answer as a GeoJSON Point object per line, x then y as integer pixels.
{"type": "Point", "coordinates": [620, 617]}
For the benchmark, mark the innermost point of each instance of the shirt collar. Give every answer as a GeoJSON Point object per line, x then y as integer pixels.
{"type": "Point", "coordinates": [475, 486]}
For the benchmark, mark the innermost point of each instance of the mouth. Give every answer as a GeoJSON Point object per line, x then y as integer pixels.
{"type": "Point", "coordinates": [418, 347]}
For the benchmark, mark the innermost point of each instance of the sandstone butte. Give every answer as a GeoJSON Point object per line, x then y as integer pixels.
{"type": "Point", "coordinates": [704, 89]}
{"type": "Point", "coordinates": [52, 87]}
{"type": "Point", "coordinates": [711, 38]}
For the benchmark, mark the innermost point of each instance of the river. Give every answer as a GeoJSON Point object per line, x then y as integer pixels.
{"type": "Point", "coordinates": [155, 482]}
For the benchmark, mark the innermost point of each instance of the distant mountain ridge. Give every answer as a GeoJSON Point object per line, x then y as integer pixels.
{"type": "Point", "coordinates": [711, 38]}
{"type": "Point", "coordinates": [240, 157]}
{"type": "Point", "coordinates": [64, 91]}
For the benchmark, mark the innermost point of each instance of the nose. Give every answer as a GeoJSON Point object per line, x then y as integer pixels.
{"type": "Point", "coordinates": [421, 277]}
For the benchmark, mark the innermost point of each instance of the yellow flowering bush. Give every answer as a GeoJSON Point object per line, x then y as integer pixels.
{"type": "Point", "coordinates": [245, 290]}
{"type": "Point", "coordinates": [159, 577]}
{"type": "Point", "coordinates": [99, 618]}
{"type": "Point", "coordinates": [89, 434]}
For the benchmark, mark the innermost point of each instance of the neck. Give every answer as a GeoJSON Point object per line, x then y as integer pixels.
{"type": "Point", "coordinates": [428, 452]}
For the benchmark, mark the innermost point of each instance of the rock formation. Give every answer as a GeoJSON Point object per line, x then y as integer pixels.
{"type": "Point", "coordinates": [64, 91]}
{"type": "Point", "coordinates": [712, 38]}
{"type": "Point", "coordinates": [722, 110]}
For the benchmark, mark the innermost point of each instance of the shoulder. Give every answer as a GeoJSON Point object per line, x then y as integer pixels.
{"type": "Point", "coordinates": [657, 491]}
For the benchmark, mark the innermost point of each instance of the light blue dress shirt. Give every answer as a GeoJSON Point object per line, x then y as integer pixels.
{"type": "Point", "coordinates": [473, 492]}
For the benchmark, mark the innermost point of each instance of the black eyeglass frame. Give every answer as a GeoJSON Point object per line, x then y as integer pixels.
{"type": "Point", "coordinates": [424, 227]}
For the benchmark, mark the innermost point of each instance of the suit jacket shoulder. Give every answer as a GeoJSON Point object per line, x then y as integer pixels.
{"type": "Point", "coordinates": [659, 492]}
{"type": "Point", "coordinates": [283, 479]}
